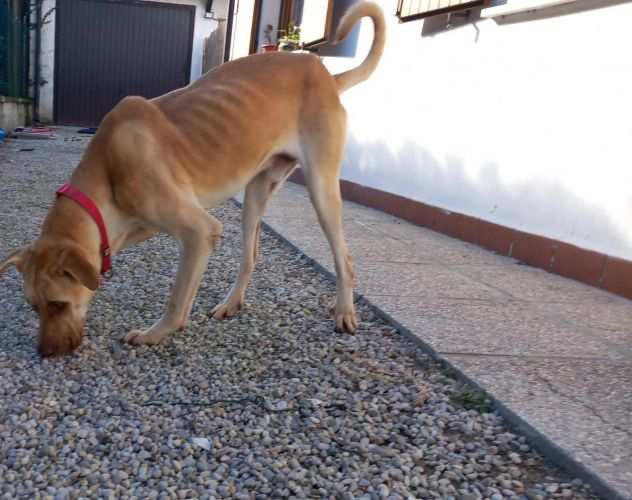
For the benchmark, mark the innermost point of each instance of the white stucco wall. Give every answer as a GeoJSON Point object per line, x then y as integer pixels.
{"type": "Point", "coordinates": [14, 112]}
{"type": "Point", "coordinates": [525, 124]}
{"type": "Point", "coordinates": [202, 29]}
{"type": "Point", "coordinates": [242, 28]}
{"type": "Point", "coordinates": [47, 62]}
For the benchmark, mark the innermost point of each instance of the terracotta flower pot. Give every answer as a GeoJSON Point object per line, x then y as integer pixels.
{"type": "Point", "coordinates": [270, 48]}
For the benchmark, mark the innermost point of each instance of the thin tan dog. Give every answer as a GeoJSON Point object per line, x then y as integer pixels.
{"type": "Point", "coordinates": [157, 165]}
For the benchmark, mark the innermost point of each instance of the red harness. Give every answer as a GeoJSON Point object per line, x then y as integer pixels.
{"type": "Point", "coordinates": [89, 206]}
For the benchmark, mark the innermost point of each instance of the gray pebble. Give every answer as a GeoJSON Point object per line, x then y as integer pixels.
{"type": "Point", "coordinates": [289, 408]}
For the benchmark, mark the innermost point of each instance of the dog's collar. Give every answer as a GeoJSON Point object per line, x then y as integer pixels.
{"type": "Point", "coordinates": [94, 212]}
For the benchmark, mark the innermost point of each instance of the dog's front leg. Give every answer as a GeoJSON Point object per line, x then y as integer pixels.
{"type": "Point", "coordinates": [197, 241]}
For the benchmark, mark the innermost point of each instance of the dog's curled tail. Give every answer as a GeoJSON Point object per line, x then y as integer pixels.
{"type": "Point", "coordinates": [348, 79]}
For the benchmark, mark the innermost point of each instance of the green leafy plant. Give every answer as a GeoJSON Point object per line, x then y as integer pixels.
{"type": "Point", "coordinates": [291, 38]}
{"type": "Point", "coordinates": [472, 399]}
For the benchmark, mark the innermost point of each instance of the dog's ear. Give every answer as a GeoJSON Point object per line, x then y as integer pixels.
{"type": "Point", "coordinates": [74, 263]}
{"type": "Point", "coordinates": [15, 258]}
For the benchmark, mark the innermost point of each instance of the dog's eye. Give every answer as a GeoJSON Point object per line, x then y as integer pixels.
{"type": "Point", "coordinates": [55, 307]}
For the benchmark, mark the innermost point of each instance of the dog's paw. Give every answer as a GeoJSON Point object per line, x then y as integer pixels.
{"type": "Point", "coordinates": [138, 337]}
{"type": "Point", "coordinates": [226, 309]}
{"type": "Point", "coordinates": [346, 322]}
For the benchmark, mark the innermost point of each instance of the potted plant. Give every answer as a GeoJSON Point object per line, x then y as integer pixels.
{"type": "Point", "coordinates": [291, 40]}
{"type": "Point", "coordinates": [269, 45]}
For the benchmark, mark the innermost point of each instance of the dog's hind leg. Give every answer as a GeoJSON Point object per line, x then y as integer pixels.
{"type": "Point", "coordinates": [258, 192]}
{"type": "Point", "coordinates": [322, 162]}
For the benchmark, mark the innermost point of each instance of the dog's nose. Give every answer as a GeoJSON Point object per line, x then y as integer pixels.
{"type": "Point", "coordinates": [50, 347]}
{"type": "Point", "coordinates": [56, 345]}
{"type": "Point", "coordinates": [46, 350]}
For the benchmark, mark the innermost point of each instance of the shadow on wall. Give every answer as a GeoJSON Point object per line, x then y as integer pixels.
{"type": "Point", "coordinates": [537, 206]}
{"type": "Point", "coordinates": [555, 11]}
{"type": "Point", "coordinates": [441, 23]}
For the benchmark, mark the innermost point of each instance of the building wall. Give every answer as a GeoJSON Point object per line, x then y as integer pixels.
{"type": "Point", "coordinates": [202, 29]}
{"type": "Point", "coordinates": [47, 62]}
{"type": "Point", "coordinates": [525, 124]}
{"type": "Point", "coordinates": [242, 28]}
{"type": "Point", "coordinates": [14, 112]}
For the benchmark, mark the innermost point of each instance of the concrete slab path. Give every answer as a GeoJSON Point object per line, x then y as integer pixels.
{"type": "Point", "coordinates": [555, 353]}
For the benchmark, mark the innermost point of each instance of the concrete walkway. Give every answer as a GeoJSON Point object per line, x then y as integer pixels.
{"type": "Point", "coordinates": [555, 354]}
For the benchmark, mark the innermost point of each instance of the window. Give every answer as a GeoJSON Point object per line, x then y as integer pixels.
{"type": "Point", "coordinates": [347, 47]}
{"type": "Point", "coordinates": [314, 18]}
{"type": "Point", "coordinates": [266, 23]}
{"type": "Point", "coordinates": [409, 10]}
{"type": "Point", "coordinates": [273, 17]}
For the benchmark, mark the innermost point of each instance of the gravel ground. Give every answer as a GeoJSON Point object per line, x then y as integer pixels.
{"type": "Point", "coordinates": [271, 404]}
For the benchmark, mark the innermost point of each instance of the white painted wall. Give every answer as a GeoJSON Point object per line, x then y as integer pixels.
{"type": "Point", "coordinates": [47, 62]}
{"type": "Point", "coordinates": [14, 112]}
{"type": "Point", "coordinates": [242, 28]}
{"type": "Point", "coordinates": [202, 29]}
{"type": "Point", "coordinates": [528, 125]}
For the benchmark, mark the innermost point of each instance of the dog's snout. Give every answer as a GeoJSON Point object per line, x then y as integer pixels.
{"type": "Point", "coordinates": [46, 350]}
{"type": "Point", "coordinates": [56, 339]}
{"type": "Point", "coordinates": [59, 347]}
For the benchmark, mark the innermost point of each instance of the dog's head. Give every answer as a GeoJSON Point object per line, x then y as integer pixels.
{"type": "Point", "coordinates": [59, 282]}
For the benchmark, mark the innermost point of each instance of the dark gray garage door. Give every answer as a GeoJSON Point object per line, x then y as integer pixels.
{"type": "Point", "coordinates": [106, 50]}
